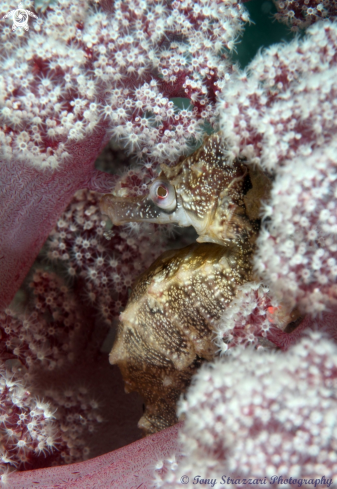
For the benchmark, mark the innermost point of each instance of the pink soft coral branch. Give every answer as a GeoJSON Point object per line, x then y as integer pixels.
{"type": "Point", "coordinates": [30, 203]}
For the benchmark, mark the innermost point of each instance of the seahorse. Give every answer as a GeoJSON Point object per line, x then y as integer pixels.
{"type": "Point", "coordinates": [166, 330]}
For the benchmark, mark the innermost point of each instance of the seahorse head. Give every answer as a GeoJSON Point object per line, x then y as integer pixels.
{"type": "Point", "coordinates": [219, 197]}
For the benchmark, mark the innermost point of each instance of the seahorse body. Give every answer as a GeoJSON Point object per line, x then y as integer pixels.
{"type": "Point", "coordinates": [167, 328]}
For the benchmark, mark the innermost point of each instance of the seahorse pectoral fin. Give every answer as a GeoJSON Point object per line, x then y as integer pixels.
{"type": "Point", "coordinates": [206, 238]}
{"type": "Point", "coordinates": [118, 354]}
{"type": "Point", "coordinates": [115, 355]}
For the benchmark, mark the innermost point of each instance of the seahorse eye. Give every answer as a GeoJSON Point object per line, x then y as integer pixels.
{"type": "Point", "coordinates": [163, 194]}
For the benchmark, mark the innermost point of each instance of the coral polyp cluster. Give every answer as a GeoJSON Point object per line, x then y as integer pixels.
{"type": "Point", "coordinates": [301, 14]}
{"type": "Point", "coordinates": [44, 417]}
{"type": "Point", "coordinates": [274, 427]}
{"type": "Point", "coordinates": [105, 261]}
{"type": "Point", "coordinates": [283, 118]}
{"type": "Point", "coordinates": [82, 69]}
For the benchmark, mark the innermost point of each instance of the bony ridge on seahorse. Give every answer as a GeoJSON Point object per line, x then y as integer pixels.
{"type": "Point", "coordinates": [166, 330]}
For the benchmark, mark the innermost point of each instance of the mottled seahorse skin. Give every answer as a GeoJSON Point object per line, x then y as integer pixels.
{"type": "Point", "coordinates": [167, 328]}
